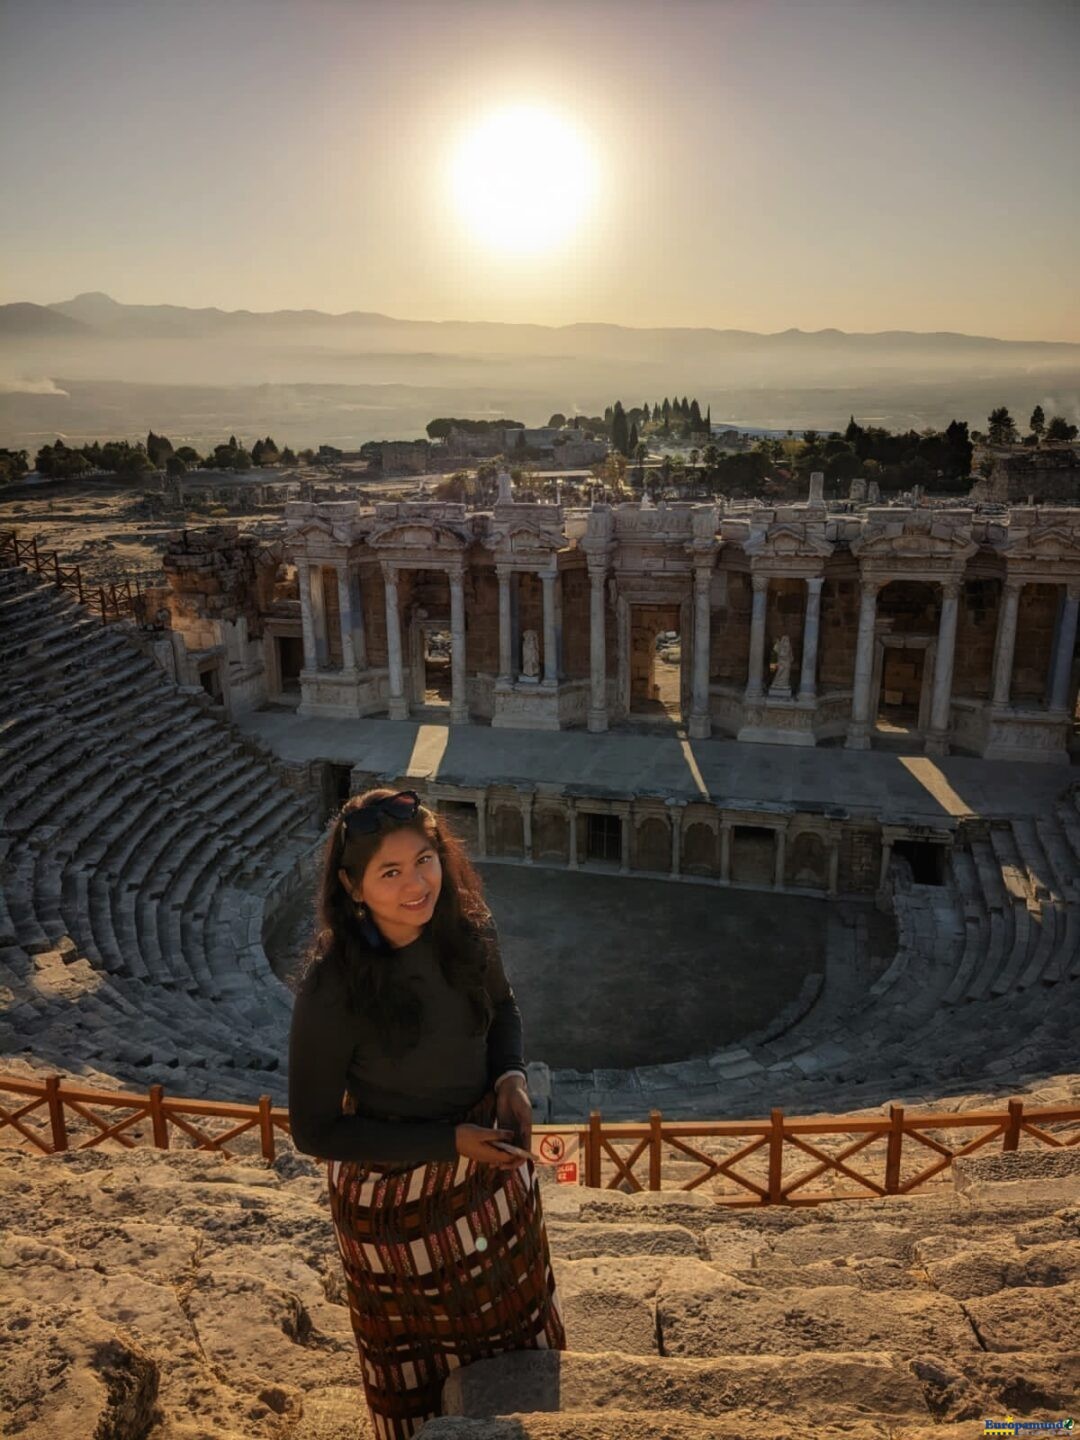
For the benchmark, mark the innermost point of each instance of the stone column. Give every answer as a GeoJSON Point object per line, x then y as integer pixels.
{"type": "Point", "coordinates": [481, 825]}
{"type": "Point", "coordinates": [598, 716]}
{"type": "Point", "coordinates": [318, 614]}
{"type": "Point", "coordinates": [547, 579]}
{"type": "Point", "coordinates": [345, 617]}
{"type": "Point", "coordinates": [937, 740]}
{"type": "Point", "coordinates": [398, 708]}
{"type": "Point", "coordinates": [858, 736]}
{"type": "Point", "coordinates": [459, 703]}
{"type": "Point", "coordinates": [307, 619]}
{"type": "Point", "coordinates": [1006, 641]}
{"type": "Point", "coordinates": [834, 865]}
{"type": "Point", "coordinates": [811, 627]}
{"type": "Point", "coordinates": [676, 828]}
{"type": "Point", "coordinates": [754, 686]}
{"type": "Point", "coordinates": [1063, 655]}
{"type": "Point", "coordinates": [624, 838]}
{"type": "Point", "coordinates": [571, 835]}
{"type": "Point", "coordinates": [778, 864]}
{"type": "Point", "coordinates": [506, 674]}
{"type": "Point", "coordinates": [886, 856]}
{"type": "Point", "coordinates": [725, 850]}
{"type": "Point", "coordinates": [526, 828]}
{"type": "Point", "coordinates": [700, 727]}
{"type": "Point", "coordinates": [359, 630]}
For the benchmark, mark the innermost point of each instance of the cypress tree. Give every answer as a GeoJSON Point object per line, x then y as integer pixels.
{"type": "Point", "coordinates": [620, 437]}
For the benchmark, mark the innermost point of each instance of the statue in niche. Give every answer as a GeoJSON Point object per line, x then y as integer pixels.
{"type": "Point", "coordinates": [781, 682]}
{"type": "Point", "coordinates": [530, 655]}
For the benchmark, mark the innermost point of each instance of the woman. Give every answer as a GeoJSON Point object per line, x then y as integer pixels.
{"type": "Point", "coordinates": [403, 1003]}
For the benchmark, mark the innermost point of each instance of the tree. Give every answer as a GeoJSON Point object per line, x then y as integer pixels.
{"type": "Point", "coordinates": [632, 444]}
{"type": "Point", "coordinates": [1002, 427]}
{"type": "Point", "coordinates": [557, 421]}
{"type": "Point", "coordinates": [620, 435]}
{"type": "Point", "coordinates": [13, 463]}
{"type": "Point", "coordinates": [175, 466]}
{"type": "Point", "coordinates": [695, 416]}
{"type": "Point", "coordinates": [645, 412]}
{"type": "Point", "coordinates": [1038, 422]}
{"type": "Point", "coordinates": [158, 449]}
{"type": "Point", "coordinates": [958, 464]}
{"type": "Point", "coordinates": [1060, 429]}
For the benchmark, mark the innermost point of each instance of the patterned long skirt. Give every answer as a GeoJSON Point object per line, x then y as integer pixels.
{"type": "Point", "coordinates": [446, 1262]}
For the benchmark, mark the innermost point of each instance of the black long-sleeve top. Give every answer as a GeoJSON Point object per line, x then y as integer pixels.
{"type": "Point", "coordinates": [406, 1109]}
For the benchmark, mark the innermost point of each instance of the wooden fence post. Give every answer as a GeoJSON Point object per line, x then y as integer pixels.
{"type": "Point", "coordinates": [266, 1127]}
{"type": "Point", "coordinates": [1012, 1129]}
{"type": "Point", "coordinates": [776, 1157]}
{"type": "Point", "coordinates": [655, 1149]}
{"type": "Point", "coordinates": [892, 1153]}
{"type": "Point", "coordinates": [592, 1150]}
{"type": "Point", "coordinates": [56, 1112]}
{"type": "Point", "coordinates": [157, 1116]}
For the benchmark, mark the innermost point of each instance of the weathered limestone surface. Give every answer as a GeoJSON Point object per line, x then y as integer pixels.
{"type": "Point", "coordinates": [165, 1296]}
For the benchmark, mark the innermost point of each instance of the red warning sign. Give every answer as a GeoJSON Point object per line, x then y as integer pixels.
{"type": "Point", "coordinates": [561, 1150]}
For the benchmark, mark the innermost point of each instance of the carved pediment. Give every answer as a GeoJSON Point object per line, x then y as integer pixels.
{"type": "Point", "coordinates": [415, 535]}
{"type": "Point", "coordinates": [523, 537]}
{"type": "Point", "coordinates": [787, 540]}
{"type": "Point", "coordinates": [309, 534]}
{"type": "Point", "coordinates": [914, 537]}
{"type": "Point", "coordinates": [308, 529]}
{"type": "Point", "coordinates": [1043, 542]}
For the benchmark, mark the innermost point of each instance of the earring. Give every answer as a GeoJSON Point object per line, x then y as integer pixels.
{"type": "Point", "coordinates": [360, 911]}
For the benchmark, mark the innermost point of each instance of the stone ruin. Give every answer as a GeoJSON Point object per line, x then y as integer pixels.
{"type": "Point", "coordinates": [146, 840]}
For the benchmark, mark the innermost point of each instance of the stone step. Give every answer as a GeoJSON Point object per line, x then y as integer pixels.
{"type": "Point", "coordinates": [706, 1389]}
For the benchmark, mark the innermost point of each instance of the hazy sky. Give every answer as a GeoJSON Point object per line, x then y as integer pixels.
{"type": "Point", "coordinates": [759, 164]}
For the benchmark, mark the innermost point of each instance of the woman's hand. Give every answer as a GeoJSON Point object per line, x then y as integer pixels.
{"type": "Point", "coordinates": [514, 1108]}
{"type": "Point", "coordinates": [477, 1142]}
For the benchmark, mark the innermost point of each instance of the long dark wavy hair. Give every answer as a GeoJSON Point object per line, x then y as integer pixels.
{"type": "Point", "coordinates": [458, 926]}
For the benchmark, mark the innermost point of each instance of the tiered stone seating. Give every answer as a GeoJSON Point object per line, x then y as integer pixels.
{"type": "Point", "coordinates": [114, 885]}
{"type": "Point", "coordinates": [964, 998]}
{"type": "Point", "coordinates": [901, 1318]}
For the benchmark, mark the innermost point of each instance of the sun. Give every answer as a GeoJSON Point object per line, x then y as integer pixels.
{"type": "Point", "coordinates": [522, 180]}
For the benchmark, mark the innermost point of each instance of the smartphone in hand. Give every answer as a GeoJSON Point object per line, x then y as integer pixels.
{"type": "Point", "coordinates": [521, 1151]}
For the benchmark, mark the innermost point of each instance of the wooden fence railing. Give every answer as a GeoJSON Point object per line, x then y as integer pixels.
{"type": "Point", "coordinates": [903, 1139]}
{"type": "Point", "coordinates": [114, 601]}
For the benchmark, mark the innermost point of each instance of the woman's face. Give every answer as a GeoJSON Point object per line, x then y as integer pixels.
{"type": "Point", "coordinates": [403, 871]}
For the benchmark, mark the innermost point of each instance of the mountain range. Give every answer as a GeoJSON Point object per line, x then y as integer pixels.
{"type": "Point", "coordinates": [92, 366]}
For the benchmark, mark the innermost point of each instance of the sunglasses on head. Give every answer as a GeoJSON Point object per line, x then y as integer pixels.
{"type": "Point", "coordinates": [405, 805]}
